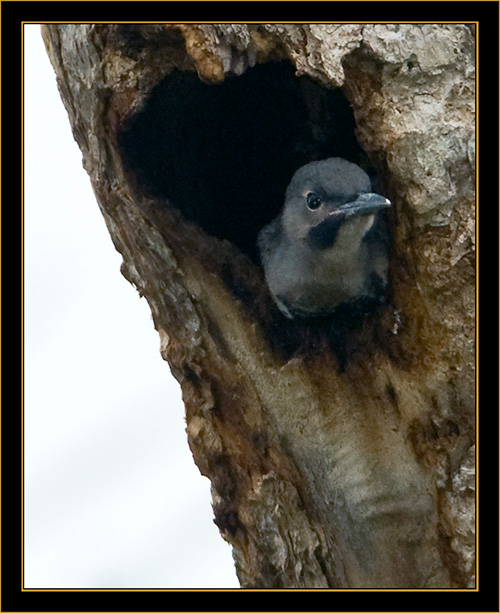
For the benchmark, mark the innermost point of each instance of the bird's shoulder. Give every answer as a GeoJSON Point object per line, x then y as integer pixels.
{"type": "Point", "coordinates": [268, 238]}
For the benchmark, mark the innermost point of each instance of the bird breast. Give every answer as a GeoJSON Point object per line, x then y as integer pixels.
{"type": "Point", "coordinates": [317, 282]}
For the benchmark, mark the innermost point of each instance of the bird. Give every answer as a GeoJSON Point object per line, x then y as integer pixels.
{"type": "Point", "coordinates": [327, 250]}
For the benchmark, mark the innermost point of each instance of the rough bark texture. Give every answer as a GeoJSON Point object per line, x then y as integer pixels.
{"type": "Point", "coordinates": [320, 478]}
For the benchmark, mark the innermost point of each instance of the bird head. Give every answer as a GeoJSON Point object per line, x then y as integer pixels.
{"type": "Point", "coordinates": [328, 201]}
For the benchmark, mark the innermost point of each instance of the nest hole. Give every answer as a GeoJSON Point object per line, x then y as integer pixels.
{"type": "Point", "coordinates": [223, 154]}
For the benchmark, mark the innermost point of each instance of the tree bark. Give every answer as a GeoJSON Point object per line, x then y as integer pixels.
{"type": "Point", "coordinates": [321, 477]}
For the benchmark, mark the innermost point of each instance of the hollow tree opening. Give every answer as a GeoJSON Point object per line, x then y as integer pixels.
{"type": "Point", "coordinates": [223, 154]}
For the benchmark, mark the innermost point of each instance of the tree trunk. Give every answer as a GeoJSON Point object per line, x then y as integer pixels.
{"type": "Point", "coordinates": [322, 477]}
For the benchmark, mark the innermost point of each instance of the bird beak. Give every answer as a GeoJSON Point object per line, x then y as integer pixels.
{"type": "Point", "coordinates": [364, 204]}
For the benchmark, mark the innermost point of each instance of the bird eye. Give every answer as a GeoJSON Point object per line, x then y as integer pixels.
{"type": "Point", "coordinates": [313, 201]}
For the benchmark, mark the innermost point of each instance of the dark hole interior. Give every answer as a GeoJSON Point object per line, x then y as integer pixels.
{"type": "Point", "coordinates": [223, 154]}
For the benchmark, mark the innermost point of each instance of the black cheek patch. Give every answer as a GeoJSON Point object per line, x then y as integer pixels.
{"type": "Point", "coordinates": [324, 234]}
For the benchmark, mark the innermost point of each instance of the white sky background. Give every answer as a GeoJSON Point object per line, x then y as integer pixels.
{"type": "Point", "coordinates": [112, 495]}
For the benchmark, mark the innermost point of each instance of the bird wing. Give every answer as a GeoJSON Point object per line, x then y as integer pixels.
{"type": "Point", "coordinates": [267, 238]}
